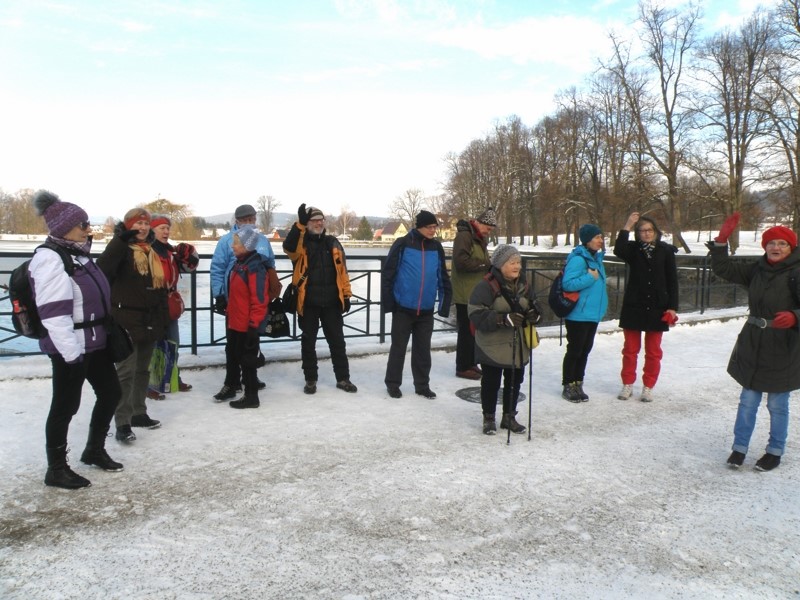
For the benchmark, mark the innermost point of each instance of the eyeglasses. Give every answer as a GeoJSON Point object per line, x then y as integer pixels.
{"type": "Point", "coordinates": [317, 220]}
{"type": "Point", "coordinates": [778, 244]}
{"type": "Point", "coordinates": [646, 230]}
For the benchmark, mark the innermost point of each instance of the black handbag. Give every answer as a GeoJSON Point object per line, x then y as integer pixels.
{"type": "Point", "coordinates": [290, 295]}
{"type": "Point", "coordinates": [277, 324]}
{"type": "Point", "coordinates": [119, 344]}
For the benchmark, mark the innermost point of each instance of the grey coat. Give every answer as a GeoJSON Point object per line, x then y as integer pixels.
{"type": "Point", "coordinates": [765, 360]}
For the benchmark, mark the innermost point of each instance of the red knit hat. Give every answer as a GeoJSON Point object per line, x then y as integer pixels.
{"type": "Point", "coordinates": [779, 232]}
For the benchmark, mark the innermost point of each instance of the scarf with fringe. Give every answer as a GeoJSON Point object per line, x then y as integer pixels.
{"type": "Point", "coordinates": [147, 262]}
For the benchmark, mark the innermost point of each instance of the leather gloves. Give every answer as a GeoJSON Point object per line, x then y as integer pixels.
{"type": "Point", "coordinates": [727, 228]}
{"type": "Point", "coordinates": [220, 304]}
{"type": "Point", "coordinates": [515, 319]}
{"type": "Point", "coordinates": [302, 214]}
{"type": "Point", "coordinates": [784, 319]}
{"type": "Point", "coordinates": [534, 314]}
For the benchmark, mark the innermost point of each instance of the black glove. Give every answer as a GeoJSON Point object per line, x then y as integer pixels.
{"type": "Point", "coordinates": [346, 305]}
{"type": "Point", "coordinates": [220, 304]}
{"type": "Point", "coordinates": [533, 315]}
{"type": "Point", "coordinates": [515, 319]}
{"type": "Point", "coordinates": [127, 235]}
{"type": "Point", "coordinates": [252, 338]}
{"type": "Point", "coordinates": [444, 312]}
{"type": "Point", "coordinates": [302, 215]}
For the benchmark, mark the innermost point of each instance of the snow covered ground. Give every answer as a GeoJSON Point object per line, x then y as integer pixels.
{"type": "Point", "coordinates": [352, 496]}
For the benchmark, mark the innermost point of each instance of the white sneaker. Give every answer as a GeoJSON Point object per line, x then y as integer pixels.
{"type": "Point", "coordinates": [647, 394]}
{"type": "Point", "coordinates": [625, 393]}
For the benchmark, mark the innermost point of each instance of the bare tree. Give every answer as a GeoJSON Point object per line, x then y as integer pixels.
{"type": "Point", "coordinates": [406, 207]}
{"type": "Point", "coordinates": [266, 206]}
{"type": "Point", "coordinates": [181, 216]}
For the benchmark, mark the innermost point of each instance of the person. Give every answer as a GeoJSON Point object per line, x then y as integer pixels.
{"type": "Point", "coordinates": [767, 351]}
{"type": "Point", "coordinates": [139, 304]}
{"type": "Point", "coordinates": [650, 303]}
{"type": "Point", "coordinates": [222, 262]}
{"type": "Point", "coordinates": [73, 311]}
{"type": "Point", "coordinates": [470, 264]}
{"type": "Point", "coordinates": [182, 258]}
{"type": "Point", "coordinates": [248, 298]}
{"type": "Point", "coordinates": [500, 306]}
{"type": "Point", "coordinates": [584, 273]}
{"type": "Point", "coordinates": [320, 274]}
{"type": "Point", "coordinates": [413, 276]}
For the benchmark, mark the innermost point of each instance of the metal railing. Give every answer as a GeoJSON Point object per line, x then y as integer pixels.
{"type": "Point", "coordinates": [699, 290]}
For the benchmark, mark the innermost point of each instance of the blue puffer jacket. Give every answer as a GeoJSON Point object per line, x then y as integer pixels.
{"type": "Point", "coordinates": [414, 274]}
{"type": "Point", "coordinates": [593, 300]}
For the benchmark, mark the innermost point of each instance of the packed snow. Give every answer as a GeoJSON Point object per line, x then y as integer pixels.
{"type": "Point", "coordinates": [359, 496]}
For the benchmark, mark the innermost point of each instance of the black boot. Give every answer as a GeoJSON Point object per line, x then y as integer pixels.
{"type": "Point", "coordinates": [509, 422]}
{"type": "Point", "coordinates": [58, 472]}
{"type": "Point", "coordinates": [95, 452]}
{"type": "Point", "coordinates": [245, 402]}
{"type": "Point", "coordinates": [489, 425]}
{"type": "Point", "coordinates": [584, 396]}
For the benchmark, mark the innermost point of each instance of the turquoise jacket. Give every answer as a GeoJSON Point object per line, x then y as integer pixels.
{"type": "Point", "coordinates": [593, 301]}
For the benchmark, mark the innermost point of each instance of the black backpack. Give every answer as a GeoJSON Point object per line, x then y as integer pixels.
{"type": "Point", "coordinates": [561, 302]}
{"type": "Point", "coordinates": [25, 317]}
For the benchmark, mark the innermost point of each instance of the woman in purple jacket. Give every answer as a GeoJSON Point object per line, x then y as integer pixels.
{"type": "Point", "coordinates": [73, 310]}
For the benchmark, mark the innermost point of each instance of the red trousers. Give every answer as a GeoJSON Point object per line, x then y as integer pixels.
{"type": "Point", "coordinates": [652, 356]}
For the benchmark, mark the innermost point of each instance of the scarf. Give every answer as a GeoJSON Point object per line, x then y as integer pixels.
{"type": "Point", "coordinates": [647, 249]}
{"type": "Point", "coordinates": [75, 247]}
{"type": "Point", "coordinates": [147, 262]}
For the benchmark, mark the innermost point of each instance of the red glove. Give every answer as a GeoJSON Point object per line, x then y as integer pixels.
{"type": "Point", "coordinates": [669, 318]}
{"type": "Point", "coordinates": [784, 320]}
{"type": "Point", "coordinates": [727, 228]}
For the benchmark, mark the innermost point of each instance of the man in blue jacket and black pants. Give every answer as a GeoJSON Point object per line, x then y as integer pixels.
{"type": "Point", "coordinates": [414, 275]}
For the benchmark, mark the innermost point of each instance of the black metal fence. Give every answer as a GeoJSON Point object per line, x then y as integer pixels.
{"type": "Point", "coordinates": [201, 327]}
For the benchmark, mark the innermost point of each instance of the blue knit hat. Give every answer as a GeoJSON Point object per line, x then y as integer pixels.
{"type": "Point", "coordinates": [588, 232]}
{"type": "Point", "coordinates": [248, 235]}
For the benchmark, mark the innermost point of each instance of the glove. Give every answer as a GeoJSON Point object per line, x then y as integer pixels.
{"type": "Point", "coordinates": [784, 320]}
{"type": "Point", "coordinates": [669, 318]}
{"type": "Point", "coordinates": [515, 319]}
{"type": "Point", "coordinates": [346, 305]}
{"type": "Point", "coordinates": [220, 304]}
{"type": "Point", "coordinates": [727, 228]}
{"type": "Point", "coordinates": [127, 235]}
{"type": "Point", "coordinates": [252, 338]}
{"type": "Point", "coordinates": [533, 315]}
{"type": "Point", "coordinates": [187, 255]}
{"type": "Point", "coordinates": [302, 214]}
{"type": "Point", "coordinates": [444, 312]}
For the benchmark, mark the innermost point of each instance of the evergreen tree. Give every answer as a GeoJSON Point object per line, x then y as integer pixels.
{"type": "Point", "coordinates": [364, 231]}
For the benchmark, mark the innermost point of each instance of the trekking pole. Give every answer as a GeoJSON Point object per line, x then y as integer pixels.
{"type": "Point", "coordinates": [530, 385]}
{"type": "Point", "coordinates": [511, 389]}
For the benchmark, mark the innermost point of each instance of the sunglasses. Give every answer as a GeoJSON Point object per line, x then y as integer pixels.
{"type": "Point", "coordinates": [84, 225]}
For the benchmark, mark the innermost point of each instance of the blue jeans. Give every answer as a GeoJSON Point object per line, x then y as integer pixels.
{"type": "Point", "coordinates": [778, 407]}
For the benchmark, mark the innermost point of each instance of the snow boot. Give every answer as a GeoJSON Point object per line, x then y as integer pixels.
{"type": "Point", "coordinates": [571, 392]}
{"type": "Point", "coordinates": [489, 425]}
{"type": "Point", "coordinates": [584, 396]}
{"type": "Point", "coordinates": [58, 472]}
{"type": "Point", "coordinates": [95, 451]}
{"type": "Point", "coordinates": [509, 422]}
{"type": "Point", "coordinates": [310, 387]}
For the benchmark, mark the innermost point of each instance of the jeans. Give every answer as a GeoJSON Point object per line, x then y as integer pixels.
{"type": "Point", "coordinates": [778, 407]}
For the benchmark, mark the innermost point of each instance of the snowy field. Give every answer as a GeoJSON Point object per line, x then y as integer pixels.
{"type": "Point", "coordinates": [361, 496]}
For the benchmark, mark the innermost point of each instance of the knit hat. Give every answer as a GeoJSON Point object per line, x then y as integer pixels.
{"type": "Point", "coordinates": [779, 232]}
{"type": "Point", "coordinates": [134, 215]}
{"type": "Point", "coordinates": [314, 213]}
{"type": "Point", "coordinates": [248, 235]}
{"type": "Point", "coordinates": [60, 216]}
{"type": "Point", "coordinates": [502, 254]}
{"type": "Point", "coordinates": [425, 218]}
{"type": "Point", "coordinates": [157, 220]}
{"type": "Point", "coordinates": [587, 232]}
{"type": "Point", "coordinates": [245, 210]}
{"type": "Point", "coordinates": [488, 217]}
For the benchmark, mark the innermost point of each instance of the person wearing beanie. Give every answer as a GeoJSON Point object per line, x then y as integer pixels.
{"type": "Point", "coordinates": [500, 307]}
{"type": "Point", "coordinates": [414, 276]}
{"type": "Point", "coordinates": [248, 299]}
{"type": "Point", "coordinates": [767, 351]}
{"type": "Point", "coordinates": [585, 274]}
{"type": "Point", "coordinates": [323, 295]}
{"type": "Point", "coordinates": [182, 258]}
{"type": "Point", "coordinates": [470, 263]}
{"type": "Point", "coordinates": [73, 307]}
{"type": "Point", "coordinates": [222, 263]}
{"type": "Point", "coordinates": [650, 303]}
{"type": "Point", "coordinates": [139, 304]}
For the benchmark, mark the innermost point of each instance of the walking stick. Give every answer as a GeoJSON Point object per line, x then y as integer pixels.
{"type": "Point", "coordinates": [530, 386]}
{"type": "Point", "coordinates": [511, 389]}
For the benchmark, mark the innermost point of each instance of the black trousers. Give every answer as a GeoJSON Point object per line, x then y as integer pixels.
{"type": "Point", "coordinates": [580, 339]}
{"type": "Point", "coordinates": [419, 328]}
{"type": "Point", "coordinates": [490, 385]}
{"type": "Point", "coordinates": [244, 358]}
{"type": "Point", "coordinates": [332, 321]}
{"type": "Point", "coordinates": [465, 344]}
{"type": "Point", "coordinates": [99, 371]}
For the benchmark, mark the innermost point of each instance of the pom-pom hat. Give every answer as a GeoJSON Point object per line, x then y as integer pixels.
{"type": "Point", "coordinates": [60, 216]}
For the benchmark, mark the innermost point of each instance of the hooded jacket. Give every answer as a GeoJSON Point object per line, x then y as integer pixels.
{"type": "Point", "coordinates": [470, 261]}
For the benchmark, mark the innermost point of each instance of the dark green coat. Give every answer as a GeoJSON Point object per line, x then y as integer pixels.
{"type": "Point", "coordinates": [470, 261]}
{"type": "Point", "coordinates": [765, 360]}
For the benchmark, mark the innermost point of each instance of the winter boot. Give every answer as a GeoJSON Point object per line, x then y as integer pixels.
{"type": "Point", "coordinates": [584, 396]}
{"type": "Point", "coordinates": [626, 392]}
{"type": "Point", "coordinates": [144, 421]}
{"type": "Point", "coordinates": [571, 392]}
{"type": "Point", "coordinates": [736, 459]}
{"type": "Point", "coordinates": [58, 472]}
{"type": "Point", "coordinates": [245, 402]}
{"type": "Point", "coordinates": [95, 451]}
{"type": "Point", "coordinates": [124, 434]}
{"type": "Point", "coordinates": [310, 387]}
{"type": "Point", "coordinates": [768, 462]}
{"type": "Point", "coordinates": [489, 426]}
{"type": "Point", "coordinates": [394, 391]}
{"type": "Point", "coordinates": [509, 422]}
{"type": "Point", "coordinates": [427, 393]}
{"type": "Point", "coordinates": [345, 385]}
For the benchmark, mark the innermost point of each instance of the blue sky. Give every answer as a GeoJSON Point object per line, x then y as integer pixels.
{"type": "Point", "coordinates": [341, 104]}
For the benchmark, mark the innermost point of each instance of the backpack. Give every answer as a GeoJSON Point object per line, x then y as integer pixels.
{"type": "Point", "coordinates": [25, 317]}
{"type": "Point", "coordinates": [561, 302]}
